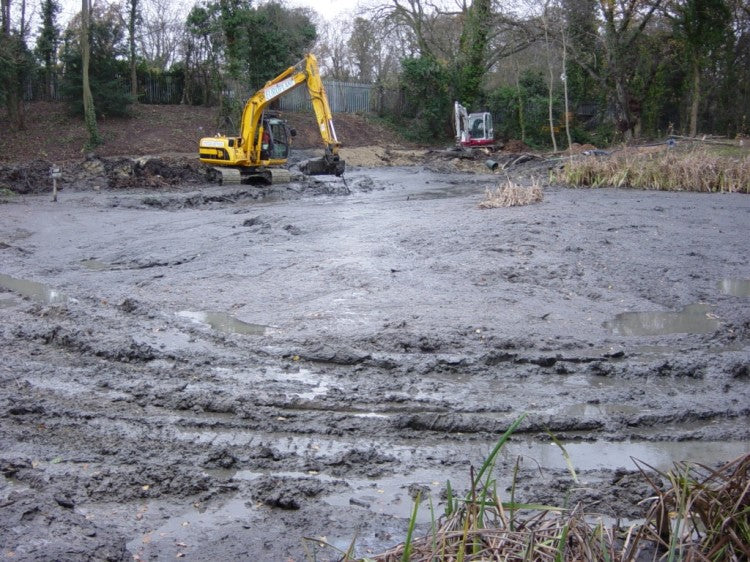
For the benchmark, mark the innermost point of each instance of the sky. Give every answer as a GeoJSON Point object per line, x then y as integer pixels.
{"type": "Point", "coordinates": [329, 10]}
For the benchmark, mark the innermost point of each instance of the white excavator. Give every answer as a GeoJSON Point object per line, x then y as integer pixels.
{"type": "Point", "coordinates": [263, 145]}
{"type": "Point", "coordinates": [473, 129]}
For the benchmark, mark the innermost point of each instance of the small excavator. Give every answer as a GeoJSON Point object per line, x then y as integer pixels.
{"type": "Point", "coordinates": [264, 142]}
{"type": "Point", "coordinates": [473, 129]}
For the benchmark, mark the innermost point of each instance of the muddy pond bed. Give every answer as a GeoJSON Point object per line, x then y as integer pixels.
{"type": "Point", "coordinates": [214, 372]}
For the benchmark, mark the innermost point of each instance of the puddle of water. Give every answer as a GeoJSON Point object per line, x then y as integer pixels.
{"type": "Point", "coordinates": [95, 265]}
{"type": "Point", "coordinates": [693, 319]}
{"type": "Point", "coordinates": [659, 454]}
{"type": "Point", "coordinates": [32, 290]}
{"type": "Point", "coordinates": [315, 388]}
{"type": "Point", "coordinates": [178, 533]}
{"type": "Point", "coordinates": [585, 410]}
{"type": "Point", "coordinates": [445, 192]}
{"type": "Point", "coordinates": [391, 496]}
{"type": "Point", "coordinates": [735, 287]}
{"type": "Point", "coordinates": [224, 322]}
{"type": "Point", "coordinates": [301, 382]}
{"type": "Point", "coordinates": [7, 303]}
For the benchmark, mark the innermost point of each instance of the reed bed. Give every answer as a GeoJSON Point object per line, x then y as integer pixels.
{"type": "Point", "coordinates": [511, 195]}
{"type": "Point", "coordinates": [667, 170]}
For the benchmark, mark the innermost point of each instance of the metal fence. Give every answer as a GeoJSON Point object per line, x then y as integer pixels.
{"type": "Point", "coordinates": [343, 97]}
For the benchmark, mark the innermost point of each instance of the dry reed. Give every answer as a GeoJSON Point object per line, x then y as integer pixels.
{"type": "Point", "coordinates": [668, 170]}
{"type": "Point", "coordinates": [510, 195]}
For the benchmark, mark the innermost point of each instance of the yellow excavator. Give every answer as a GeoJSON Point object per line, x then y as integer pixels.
{"type": "Point", "coordinates": [264, 142]}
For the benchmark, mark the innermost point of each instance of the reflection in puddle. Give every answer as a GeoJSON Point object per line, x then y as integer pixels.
{"type": "Point", "coordinates": [735, 287]}
{"type": "Point", "coordinates": [33, 290]}
{"type": "Point", "coordinates": [693, 319]}
{"type": "Point", "coordinates": [224, 322]}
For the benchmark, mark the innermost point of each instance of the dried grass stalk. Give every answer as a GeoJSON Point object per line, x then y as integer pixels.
{"type": "Point", "coordinates": [511, 195]}
{"type": "Point", "coordinates": [702, 513]}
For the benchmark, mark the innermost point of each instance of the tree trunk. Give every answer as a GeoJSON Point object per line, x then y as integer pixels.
{"type": "Point", "coordinates": [131, 32]}
{"type": "Point", "coordinates": [521, 118]}
{"type": "Point", "coordinates": [695, 98]}
{"type": "Point", "coordinates": [565, 91]}
{"type": "Point", "coordinates": [551, 83]}
{"type": "Point", "coordinates": [88, 100]}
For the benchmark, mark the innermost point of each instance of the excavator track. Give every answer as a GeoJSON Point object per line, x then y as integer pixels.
{"type": "Point", "coordinates": [280, 175]}
{"type": "Point", "coordinates": [227, 175]}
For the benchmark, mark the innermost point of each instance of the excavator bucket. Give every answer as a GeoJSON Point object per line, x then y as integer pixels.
{"type": "Point", "coordinates": [330, 164]}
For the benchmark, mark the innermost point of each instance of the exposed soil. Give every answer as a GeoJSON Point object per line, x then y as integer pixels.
{"type": "Point", "coordinates": [52, 135]}
{"type": "Point", "coordinates": [209, 372]}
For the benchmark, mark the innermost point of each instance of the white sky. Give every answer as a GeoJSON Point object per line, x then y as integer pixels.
{"type": "Point", "coordinates": [328, 9]}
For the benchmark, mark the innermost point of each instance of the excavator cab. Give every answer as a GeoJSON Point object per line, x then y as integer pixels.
{"type": "Point", "coordinates": [279, 139]}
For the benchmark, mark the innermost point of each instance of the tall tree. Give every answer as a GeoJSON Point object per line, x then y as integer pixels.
{"type": "Point", "coordinates": [472, 60]}
{"type": "Point", "coordinates": [333, 53]}
{"type": "Point", "coordinates": [89, 111]}
{"type": "Point", "coordinates": [702, 26]}
{"type": "Point", "coordinates": [47, 43]}
{"type": "Point", "coordinates": [108, 62]}
{"type": "Point", "coordinates": [14, 63]}
{"type": "Point", "coordinates": [162, 31]}
{"type": "Point", "coordinates": [615, 58]}
{"type": "Point", "coordinates": [364, 49]}
{"type": "Point", "coordinates": [133, 19]}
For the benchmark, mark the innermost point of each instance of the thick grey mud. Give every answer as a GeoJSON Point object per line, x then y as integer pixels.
{"type": "Point", "coordinates": [211, 374]}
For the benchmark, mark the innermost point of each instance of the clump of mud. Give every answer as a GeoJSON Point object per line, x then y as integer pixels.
{"type": "Point", "coordinates": [97, 173]}
{"type": "Point", "coordinates": [32, 177]}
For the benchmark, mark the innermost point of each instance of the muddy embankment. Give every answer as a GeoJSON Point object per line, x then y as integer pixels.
{"type": "Point", "coordinates": [216, 372]}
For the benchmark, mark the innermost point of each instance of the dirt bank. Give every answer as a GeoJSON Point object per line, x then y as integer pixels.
{"type": "Point", "coordinates": [209, 372]}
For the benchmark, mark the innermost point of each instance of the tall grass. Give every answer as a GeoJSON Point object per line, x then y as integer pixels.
{"type": "Point", "coordinates": [669, 170]}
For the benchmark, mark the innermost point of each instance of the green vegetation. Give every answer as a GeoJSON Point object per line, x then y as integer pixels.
{"type": "Point", "coordinates": [668, 170]}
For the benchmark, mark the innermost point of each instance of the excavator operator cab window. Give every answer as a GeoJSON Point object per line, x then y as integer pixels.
{"type": "Point", "coordinates": [477, 129]}
{"type": "Point", "coordinates": [279, 139]}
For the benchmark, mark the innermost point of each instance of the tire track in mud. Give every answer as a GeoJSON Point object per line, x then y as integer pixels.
{"type": "Point", "coordinates": [334, 393]}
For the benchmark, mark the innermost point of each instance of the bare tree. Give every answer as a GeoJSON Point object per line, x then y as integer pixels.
{"type": "Point", "coordinates": [88, 100]}
{"type": "Point", "coordinates": [162, 29]}
{"type": "Point", "coordinates": [333, 53]}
